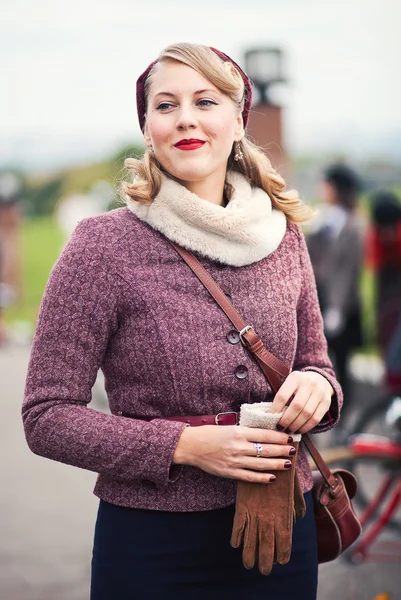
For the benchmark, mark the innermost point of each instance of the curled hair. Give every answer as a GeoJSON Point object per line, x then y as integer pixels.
{"type": "Point", "coordinates": [255, 166]}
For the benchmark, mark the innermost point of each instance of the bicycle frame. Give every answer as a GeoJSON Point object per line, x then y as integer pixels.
{"type": "Point", "coordinates": [366, 444]}
{"type": "Point", "coordinates": [388, 494]}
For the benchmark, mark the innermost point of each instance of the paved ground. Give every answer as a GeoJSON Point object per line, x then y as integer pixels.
{"type": "Point", "coordinates": [48, 512]}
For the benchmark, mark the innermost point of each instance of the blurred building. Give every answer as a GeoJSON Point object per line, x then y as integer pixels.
{"type": "Point", "coordinates": [264, 66]}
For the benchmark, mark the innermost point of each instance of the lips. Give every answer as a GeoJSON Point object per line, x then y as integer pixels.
{"type": "Point", "coordinates": [191, 144]}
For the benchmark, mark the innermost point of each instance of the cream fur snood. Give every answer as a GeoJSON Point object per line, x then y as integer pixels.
{"type": "Point", "coordinates": [245, 231]}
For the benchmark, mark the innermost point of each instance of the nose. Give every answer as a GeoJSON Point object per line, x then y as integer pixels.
{"type": "Point", "coordinates": [186, 118]}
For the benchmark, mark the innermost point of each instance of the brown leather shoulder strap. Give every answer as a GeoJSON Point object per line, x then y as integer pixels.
{"type": "Point", "coordinates": [319, 461]}
{"type": "Point", "coordinates": [274, 370]}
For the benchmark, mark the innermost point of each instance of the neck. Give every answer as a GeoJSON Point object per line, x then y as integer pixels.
{"type": "Point", "coordinates": [211, 189]}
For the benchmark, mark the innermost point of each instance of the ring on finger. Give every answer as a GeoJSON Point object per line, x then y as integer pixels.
{"type": "Point", "coordinates": [259, 448]}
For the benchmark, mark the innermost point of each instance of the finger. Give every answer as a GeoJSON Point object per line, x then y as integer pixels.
{"type": "Point", "coordinates": [252, 476]}
{"type": "Point", "coordinates": [238, 528]}
{"type": "Point", "coordinates": [312, 410]}
{"type": "Point", "coordinates": [299, 500]}
{"type": "Point", "coordinates": [299, 410]}
{"type": "Point", "coordinates": [266, 548]}
{"type": "Point", "coordinates": [271, 450]}
{"type": "Point", "coordinates": [287, 390]}
{"type": "Point", "coordinates": [267, 464]}
{"type": "Point", "coordinates": [283, 537]}
{"type": "Point", "coordinates": [265, 436]}
{"type": "Point", "coordinates": [250, 543]}
{"type": "Point", "coordinates": [315, 419]}
{"type": "Point", "coordinates": [320, 392]}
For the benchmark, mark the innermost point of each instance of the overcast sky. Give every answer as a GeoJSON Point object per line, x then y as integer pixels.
{"type": "Point", "coordinates": [68, 69]}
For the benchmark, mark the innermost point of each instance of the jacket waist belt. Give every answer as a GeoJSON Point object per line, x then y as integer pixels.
{"type": "Point", "coordinates": [223, 418]}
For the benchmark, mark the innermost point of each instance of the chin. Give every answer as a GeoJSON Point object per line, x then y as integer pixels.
{"type": "Point", "coordinates": [189, 174]}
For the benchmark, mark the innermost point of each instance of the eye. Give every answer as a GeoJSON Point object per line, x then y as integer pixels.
{"type": "Point", "coordinates": [205, 103]}
{"type": "Point", "coordinates": [163, 106]}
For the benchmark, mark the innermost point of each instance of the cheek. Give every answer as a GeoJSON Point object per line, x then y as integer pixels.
{"type": "Point", "coordinates": [159, 129]}
{"type": "Point", "coordinates": [221, 130]}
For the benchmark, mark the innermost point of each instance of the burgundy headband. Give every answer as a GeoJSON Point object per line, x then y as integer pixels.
{"type": "Point", "coordinates": [140, 90]}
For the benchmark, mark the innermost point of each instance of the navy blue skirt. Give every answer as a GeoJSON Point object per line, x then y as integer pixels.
{"type": "Point", "coordinates": [153, 555]}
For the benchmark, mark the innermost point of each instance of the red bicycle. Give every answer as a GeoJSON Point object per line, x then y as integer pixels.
{"type": "Point", "coordinates": [375, 459]}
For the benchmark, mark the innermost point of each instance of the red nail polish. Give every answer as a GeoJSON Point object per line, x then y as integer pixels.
{"type": "Point", "coordinates": [290, 439]}
{"type": "Point", "coordinates": [272, 478]}
{"type": "Point", "coordinates": [287, 464]}
{"type": "Point", "coordinates": [292, 452]}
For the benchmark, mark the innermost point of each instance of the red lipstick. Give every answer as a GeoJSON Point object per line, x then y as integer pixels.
{"type": "Point", "coordinates": [191, 144]}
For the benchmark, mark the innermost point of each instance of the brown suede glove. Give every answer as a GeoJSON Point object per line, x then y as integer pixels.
{"type": "Point", "coordinates": [299, 500]}
{"type": "Point", "coordinates": [264, 518]}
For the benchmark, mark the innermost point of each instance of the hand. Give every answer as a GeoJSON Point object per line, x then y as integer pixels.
{"type": "Point", "coordinates": [229, 451]}
{"type": "Point", "coordinates": [311, 398]}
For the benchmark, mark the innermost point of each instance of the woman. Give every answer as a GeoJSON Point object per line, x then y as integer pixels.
{"type": "Point", "coordinates": [121, 299]}
{"type": "Point", "coordinates": [335, 245]}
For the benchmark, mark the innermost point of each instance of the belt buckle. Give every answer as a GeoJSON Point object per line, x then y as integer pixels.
{"type": "Point", "coordinates": [229, 412]}
{"type": "Point", "coordinates": [242, 332]}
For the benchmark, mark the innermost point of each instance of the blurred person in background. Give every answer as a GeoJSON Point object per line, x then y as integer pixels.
{"type": "Point", "coordinates": [383, 251]}
{"type": "Point", "coordinates": [336, 245]}
{"type": "Point", "coordinates": [10, 245]}
{"type": "Point", "coordinates": [121, 299]}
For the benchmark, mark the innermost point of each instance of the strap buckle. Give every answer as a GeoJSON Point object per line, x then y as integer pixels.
{"type": "Point", "coordinates": [230, 412]}
{"type": "Point", "coordinates": [243, 331]}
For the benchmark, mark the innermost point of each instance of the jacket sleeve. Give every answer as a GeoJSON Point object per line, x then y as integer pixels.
{"type": "Point", "coordinates": [78, 316]}
{"type": "Point", "coordinates": [312, 353]}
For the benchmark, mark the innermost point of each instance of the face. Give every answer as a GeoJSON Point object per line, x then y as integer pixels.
{"type": "Point", "coordinates": [190, 124]}
{"type": "Point", "coordinates": [328, 193]}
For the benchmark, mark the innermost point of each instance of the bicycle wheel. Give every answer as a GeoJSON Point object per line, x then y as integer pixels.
{"type": "Point", "coordinates": [371, 471]}
{"type": "Point", "coordinates": [372, 419]}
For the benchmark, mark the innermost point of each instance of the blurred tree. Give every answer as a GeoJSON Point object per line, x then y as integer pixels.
{"type": "Point", "coordinates": [39, 198]}
{"type": "Point", "coordinates": [41, 195]}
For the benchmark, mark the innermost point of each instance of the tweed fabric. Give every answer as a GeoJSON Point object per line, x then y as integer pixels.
{"type": "Point", "coordinates": [121, 299]}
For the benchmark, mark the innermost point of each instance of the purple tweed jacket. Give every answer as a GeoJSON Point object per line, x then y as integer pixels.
{"type": "Point", "coordinates": [121, 299]}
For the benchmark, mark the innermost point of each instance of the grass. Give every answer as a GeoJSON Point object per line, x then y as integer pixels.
{"type": "Point", "coordinates": [42, 242]}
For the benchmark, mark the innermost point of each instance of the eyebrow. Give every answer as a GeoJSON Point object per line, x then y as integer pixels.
{"type": "Point", "coordinates": [170, 94]}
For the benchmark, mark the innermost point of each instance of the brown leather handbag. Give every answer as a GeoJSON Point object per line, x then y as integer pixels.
{"type": "Point", "coordinates": [337, 525]}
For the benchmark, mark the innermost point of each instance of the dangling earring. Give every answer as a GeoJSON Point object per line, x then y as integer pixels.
{"type": "Point", "coordinates": [238, 152]}
{"type": "Point", "coordinates": [150, 148]}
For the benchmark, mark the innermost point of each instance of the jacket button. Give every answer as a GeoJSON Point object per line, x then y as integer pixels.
{"type": "Point", "coordinates": [241, 372]}
{"type": "Point", "coordinates": [233, 336]}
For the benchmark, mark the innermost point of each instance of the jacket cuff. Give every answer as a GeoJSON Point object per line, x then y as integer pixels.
{"type": "Point", "coordinates": [332, 417]}
{"type": "Point", "coordinates": [162, 471]}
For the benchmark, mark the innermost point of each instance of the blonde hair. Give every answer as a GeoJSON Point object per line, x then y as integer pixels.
{"type": "Point", "coordinates": [255, 165]}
